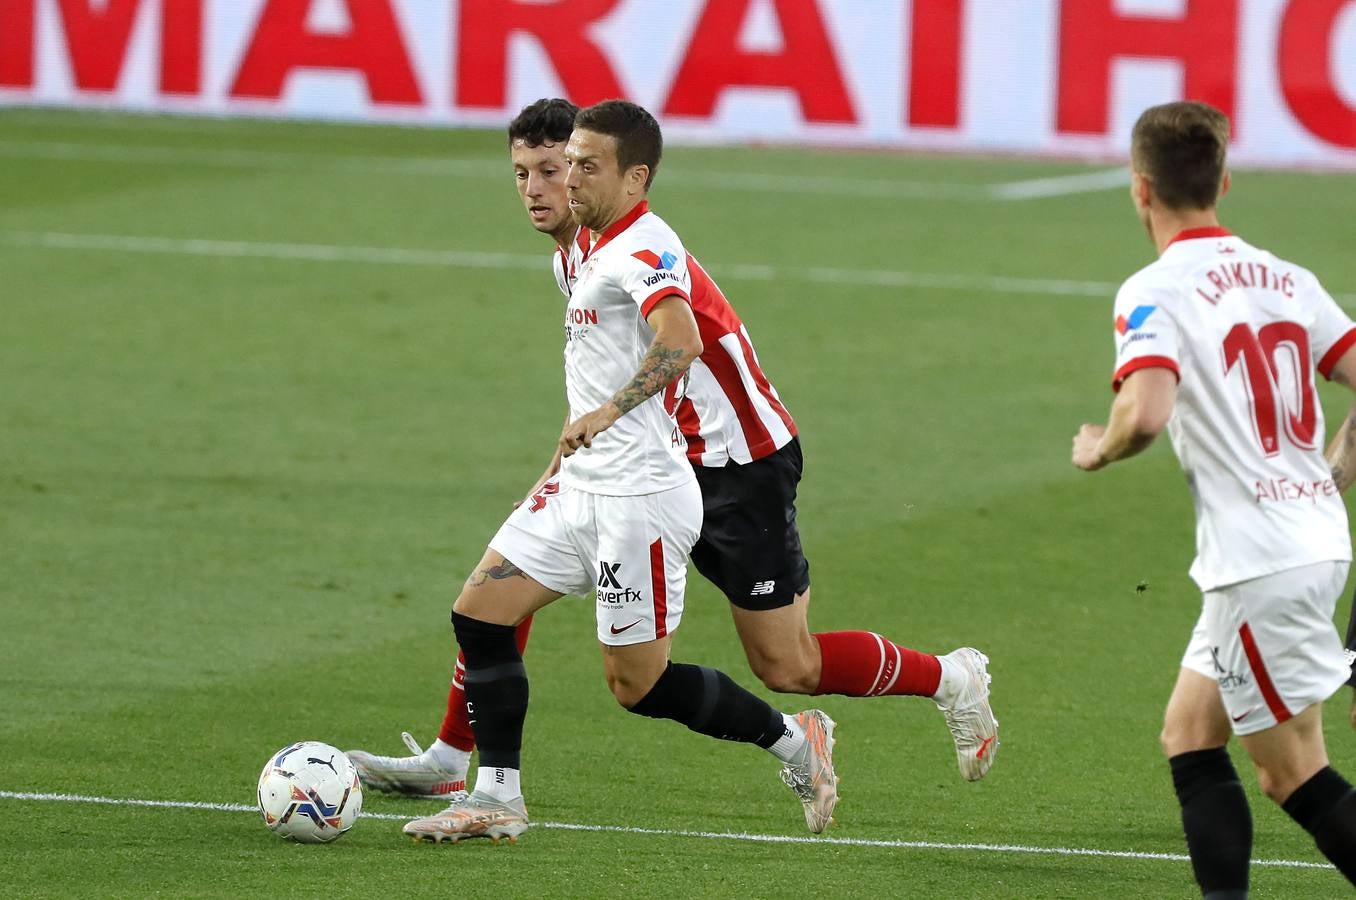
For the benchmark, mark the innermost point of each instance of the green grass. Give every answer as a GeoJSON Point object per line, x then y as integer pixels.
{"type": "Point", "coordinates": [238, 495]}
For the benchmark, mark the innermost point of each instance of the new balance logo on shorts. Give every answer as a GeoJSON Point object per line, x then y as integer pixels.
{"type": "Point", "coordinates": [762, 587]}
{"type": "Point", "coordinates": [610, 590]}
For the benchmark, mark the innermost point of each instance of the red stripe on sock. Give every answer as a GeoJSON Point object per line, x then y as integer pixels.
{"type": "Point", "coordinates": [456, 728]}
{"type": "Point", "coordinates": [889, 670]}
{"type": "Point", "coordinates": [851, 664]}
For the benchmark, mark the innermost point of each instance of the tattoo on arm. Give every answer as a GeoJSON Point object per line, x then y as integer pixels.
{"type": "Point", "coordinates": [498, 573]}
{"type": "Point", "coordinates": [659, 367]}
{"type": "Point", "coordinates": [1341, 460]}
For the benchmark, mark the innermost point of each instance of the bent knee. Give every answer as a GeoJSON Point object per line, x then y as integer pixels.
{"type": "Point", "coordinates": [785, 676]}
{"type": "Point", "coordinates": [1182, 735]}
{"type": "Point", "coordinates": [1279, 782]}
{"type": "Point", "coordinates": [1172, 741]}
{"type": "Point", "coordinates": [628, 691]}
{"type": "Point", "coordinates": [1270, 783]}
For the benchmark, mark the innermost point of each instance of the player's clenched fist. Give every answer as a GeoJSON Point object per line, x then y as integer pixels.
{"type": "Point", "coordinates": [582, 431]}
{"type": "Point", "coordinates": [1085, 453]}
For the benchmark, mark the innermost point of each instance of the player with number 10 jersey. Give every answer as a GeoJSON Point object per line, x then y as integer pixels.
{"type": "Point", "coordinates": [1220, 343]}
{"type": "Point", "coordinates": [1249, 329]}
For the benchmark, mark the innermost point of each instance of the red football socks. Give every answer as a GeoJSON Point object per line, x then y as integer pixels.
{"type": "Point", "coordinates": [864, 664]}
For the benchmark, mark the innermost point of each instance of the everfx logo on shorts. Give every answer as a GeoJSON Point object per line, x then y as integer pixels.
{"type": "Point", "coordinates": [1228, 680]}
{"type": "Point", "coordinates": [610, 589]}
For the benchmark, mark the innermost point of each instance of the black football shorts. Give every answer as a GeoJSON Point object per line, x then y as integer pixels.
{"type": "Point", "coordinates": [749, 545]}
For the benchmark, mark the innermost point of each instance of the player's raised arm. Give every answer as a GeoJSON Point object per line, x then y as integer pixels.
{"type": "Point", "coordinates": [1139, 414]}
{"type": "Point", "coordinates": [677, 342]}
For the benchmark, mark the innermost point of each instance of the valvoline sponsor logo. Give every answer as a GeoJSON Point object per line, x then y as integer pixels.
{"type": "Point", "coordinates": [655, 260]}
{"type": "Point", "coordinates": [1138, 316]}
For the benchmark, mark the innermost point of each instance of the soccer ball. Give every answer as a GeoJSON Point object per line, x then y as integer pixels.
{"type": "Point", "coordinates": [309, 792]}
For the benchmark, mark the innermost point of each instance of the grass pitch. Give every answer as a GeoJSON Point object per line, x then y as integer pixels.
{"type": "Point", "coordinates": [268, 389]}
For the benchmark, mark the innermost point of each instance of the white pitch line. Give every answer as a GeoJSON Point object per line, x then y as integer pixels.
{"type": "Point", "coordinates": [488, 169]}
{"type": "Point", "coordinates": [667, 832]}
{"type": "Point", "coordinates": [255, 159]}
{"type": "Point", "coordinates": [329, 253]}
{"type": "Point", "coordinates": [1062, 185]}
{"type": "Point", "coordinates": [332, 253]}
{"type": "Point", "coordinates": [474, 259]}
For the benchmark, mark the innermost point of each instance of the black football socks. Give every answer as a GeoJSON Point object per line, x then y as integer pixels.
{"type": "Point", "coordinates": [1217, 821]}
{"type": "Point", "coordinates": [709, 702]}
{"type": "Point", "coordinates": [496, 689]}
{"type": "Point", "coordinates": [1325, 806]}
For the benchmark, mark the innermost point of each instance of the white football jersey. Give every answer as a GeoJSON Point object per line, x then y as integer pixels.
{"type": "Point", "coordinates": [1244, 332]}
{"type": "Point", "coordinates": [729, 409]}
{"type": "Point", "coordinates": [636, 263]}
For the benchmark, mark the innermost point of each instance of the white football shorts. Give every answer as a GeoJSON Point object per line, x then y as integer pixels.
{"type": "Point", "coordinates": [631, 552]}
{"type": "Point", "coordinates": [1271, 644]}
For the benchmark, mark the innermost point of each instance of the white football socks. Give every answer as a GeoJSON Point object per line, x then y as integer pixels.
{"type": "Point", "coordinates": [501, 784]}
{"type": "Point", "coordinates": [449, 757]}
{"type": "Point", "coordinates": [791, 741]}
{"type": "Point", "coordinates": [951, 683]}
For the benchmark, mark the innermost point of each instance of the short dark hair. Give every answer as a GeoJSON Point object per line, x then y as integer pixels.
{"type": "Point", "coordinates": [1180, 147]}
{"type": "Point", "coordinates": [548, 121]}
{"type": "Point", "coordinates": [639, 140]}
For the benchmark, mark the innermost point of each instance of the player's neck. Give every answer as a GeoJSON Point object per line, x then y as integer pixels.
{"type": "Point", "coordinates": [595, 234]}
{"type": "Point", "coordinates": [564, 238]}
{"type": "Point", "coordinates": [1167, 224]}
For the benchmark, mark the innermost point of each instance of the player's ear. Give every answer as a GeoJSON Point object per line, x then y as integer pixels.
{"type": "Point", "coordinates": [639, 174]}
{"type": "Point", "coordinates": [1141, 190]}
{"type": "Point", "coordinates": [1225, 183]}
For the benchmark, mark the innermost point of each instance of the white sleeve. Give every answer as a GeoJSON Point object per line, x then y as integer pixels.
{"type": "Point", "coordinates": [1145, 334]}
{"type": "Point", "coordinates": [651, 275]}
{"type": "Point", "coordinates": [1331, 333]}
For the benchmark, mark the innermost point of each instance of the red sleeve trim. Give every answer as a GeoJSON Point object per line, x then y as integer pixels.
{"type": "Point", "coordinates": [1335, 353]}
{"type": "Point", "coordinates": [1144, 362]}
{"type": "Point", "coordinates": [668, 290]}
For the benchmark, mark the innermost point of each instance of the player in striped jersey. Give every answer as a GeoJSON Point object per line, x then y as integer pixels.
{"type": "Point", "coordinates": [743, 445]}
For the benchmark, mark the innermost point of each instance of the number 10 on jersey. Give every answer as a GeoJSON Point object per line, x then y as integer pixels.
{"type": "Point", "coordinates": [1279, 403]}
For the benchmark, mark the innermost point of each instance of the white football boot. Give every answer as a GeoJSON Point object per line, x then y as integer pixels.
{"type": "Point", "coordinates": [969, 715]}
{"type": "Point", "coordinates": [473, 815]}
{"type": "Point", "coordinates": [419, 775]}
{"type": "Point", "coordinates": [810, 775]}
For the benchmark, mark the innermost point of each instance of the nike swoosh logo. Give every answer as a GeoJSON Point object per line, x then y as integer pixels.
{"type": "Point", "coordinates": [616, 630]}
{"type": "Point", "coordinates": [983, 748]}
{"type": "Point", "coordinates": [1240, 718]}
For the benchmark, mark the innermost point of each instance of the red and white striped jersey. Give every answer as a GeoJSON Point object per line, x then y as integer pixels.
{"type": "Point", "coordinates": [731, 411]}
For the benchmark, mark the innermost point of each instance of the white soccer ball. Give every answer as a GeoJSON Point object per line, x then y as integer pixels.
{"type": "Point", "coordinates": [309, 792]}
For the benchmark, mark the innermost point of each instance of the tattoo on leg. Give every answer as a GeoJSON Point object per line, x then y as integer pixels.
{"type": "Point", "coordinates": [498, 573]}
{"type": "Point", "coordinates": [507, 570]}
